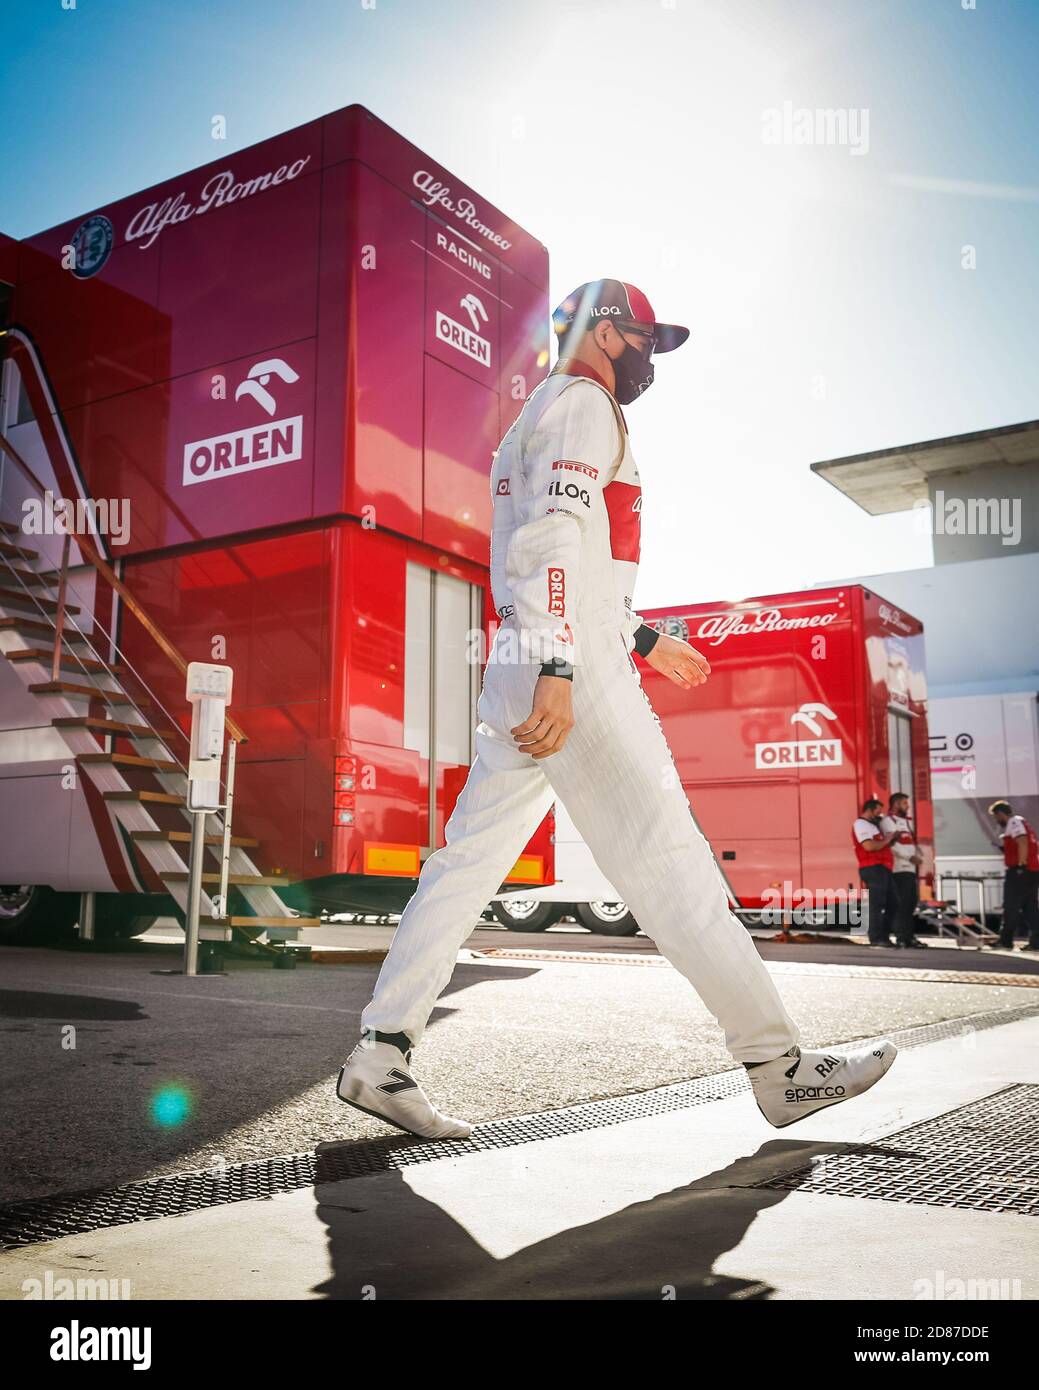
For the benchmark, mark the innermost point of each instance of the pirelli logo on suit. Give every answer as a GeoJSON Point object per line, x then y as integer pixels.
{"type": "Point", "coordinates": [572, 467]}
{"type": "Point", "coordinates": [557, 592]}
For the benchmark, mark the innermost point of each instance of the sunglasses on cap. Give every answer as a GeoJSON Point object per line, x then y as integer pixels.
{"type": "Point", "coordinates": [639, 330]}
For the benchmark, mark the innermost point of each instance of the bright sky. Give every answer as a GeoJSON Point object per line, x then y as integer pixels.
{"type": "Point", "coordinates": [830, 309]}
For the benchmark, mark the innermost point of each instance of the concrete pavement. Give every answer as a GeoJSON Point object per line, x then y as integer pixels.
{"type": "Point", "coordinates": [629, 1178]}
{"type": "Point", "coordinates": [661, 1206]}
{"type": "Point", "coordinates": [93, 1043]}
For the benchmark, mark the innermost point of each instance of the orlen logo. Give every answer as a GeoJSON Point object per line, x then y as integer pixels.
{"type": "Point", "coordinates": [467, 341]}
{"type": "Point", "coordinates": [473, 306]}
{"type": "Point", "coordinates": [557, 592]}
{"type": "Point", "coordinates": [258, 446]}
{"type": "Point", "coordinates": [257, 379]}
{"type": "Point", "coordinates": [814, 752]}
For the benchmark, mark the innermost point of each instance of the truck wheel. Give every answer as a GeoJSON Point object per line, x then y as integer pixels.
{"type": "Point", "coordinates": [606, 919]}
{"type": "Point", "coordinates": [31, 913]}
{"type": "Point", "coordinates": [525, 914]}
{"type": "Point", "coordinates": [122, 916]}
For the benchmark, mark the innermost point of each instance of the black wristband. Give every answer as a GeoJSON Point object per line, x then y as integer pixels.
{"type": "Point", "coordinates": [646, 639]}
{"type": "Point", "coordinates": [558, 667]}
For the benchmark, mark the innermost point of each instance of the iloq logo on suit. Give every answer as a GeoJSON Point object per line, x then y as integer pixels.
{"type": "Point", "coordinates": [256, 446]}
{"type": "Point", "coordinates": [572, 491]}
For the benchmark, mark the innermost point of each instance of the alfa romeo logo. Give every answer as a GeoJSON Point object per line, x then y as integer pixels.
{"type": "Point", "coordinates": [92, 242]}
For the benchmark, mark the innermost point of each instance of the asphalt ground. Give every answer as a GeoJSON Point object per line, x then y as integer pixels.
{"type": "Point", "coordinates": [871, 1202]}
{"type": "Point", "coordinates": [823, 948]}
{"type": "Point", "coordinates": [116, 1070]}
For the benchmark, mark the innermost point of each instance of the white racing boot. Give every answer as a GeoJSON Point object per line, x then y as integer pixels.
{"type": "Point", "coordinates": [377, 1079]}
{"type": "Point", "coordinates": [796, 1085]}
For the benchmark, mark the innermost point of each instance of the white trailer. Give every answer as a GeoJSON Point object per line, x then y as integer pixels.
{"type": "Point", "coordinates": [983, 747]}
{"type": "Point", "coordinates": [580, 890]}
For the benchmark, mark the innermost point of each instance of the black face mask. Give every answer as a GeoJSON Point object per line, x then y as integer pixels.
{"type": "Point", "coordinates": [633, 373]}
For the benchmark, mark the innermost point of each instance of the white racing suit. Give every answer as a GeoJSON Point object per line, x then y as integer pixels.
{"type": "Point", "coordinates": [564, 554]}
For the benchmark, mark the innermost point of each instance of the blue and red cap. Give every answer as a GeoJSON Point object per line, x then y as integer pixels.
{"type": "Point", "coordinates": [622, 304]}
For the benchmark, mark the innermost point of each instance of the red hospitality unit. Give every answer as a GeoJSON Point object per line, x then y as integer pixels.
{"type": "Point", "coordinates": [278, 381]}
{"type": "Point", "coordinates": [816, 701]}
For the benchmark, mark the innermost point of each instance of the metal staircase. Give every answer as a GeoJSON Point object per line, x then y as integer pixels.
{"type": "Point", "coordinates": [121, 737]}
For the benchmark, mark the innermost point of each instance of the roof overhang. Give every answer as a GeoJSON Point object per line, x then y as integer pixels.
{"type": "Point", "coordinates": [894, 480]}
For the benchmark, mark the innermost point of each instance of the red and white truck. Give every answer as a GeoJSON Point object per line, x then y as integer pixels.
{"type": "Point", "coordinates": [816, 701]}
{"type": "Point", "coordinates": [268, 391]}
{"type": "Point", "coordinates": [246, 417]}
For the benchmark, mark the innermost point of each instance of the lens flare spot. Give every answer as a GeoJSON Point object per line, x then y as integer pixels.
{"type": "Point", "coordinates": [171, 1105]}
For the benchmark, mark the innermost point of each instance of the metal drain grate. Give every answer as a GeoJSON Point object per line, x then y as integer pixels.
{"type": "Point", "coordinates": [889, 973]}
{"type": "Point", "coordinates": [26, 1223]}
{"type": "Point", "coordinates": [983, 1156]}
{"type": "Point", "coordinates": [958, 1027]}
{"type": "Point", "coordinates": [51, 1218]}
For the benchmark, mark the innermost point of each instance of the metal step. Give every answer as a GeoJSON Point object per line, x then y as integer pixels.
{"type": "Point", "coordinates": [112, 726]}
{"type": "Point", "coordinates": [18, 551]}
{"type": "Point", "coordinates": [260, 922]}
{"type": "Point", "coordinates": [164, 798]}
{"type": "Point", "coordinates": [128, 760]}
{"type": "Point", "coordinates": [35, 628]}
{"type": "Point", "coordinates": [29, 578]}
{"type": "Point", "coordinates": [184, 837]}
{"type": "Point", "coordinates": [36, 601]}
{"type": "Point", "coordinates": [238, 880]}
{"type": "Point", "coordinates": [111, 697]}
{"type": "Point", "coordinates": [88, 664]}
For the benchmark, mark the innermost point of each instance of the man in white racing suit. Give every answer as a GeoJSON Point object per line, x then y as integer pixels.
{"type": "Point", "coordinates": [562, 714]}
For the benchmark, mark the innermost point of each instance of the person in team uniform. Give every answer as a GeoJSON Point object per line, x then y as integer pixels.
{"type": "Point", "coordinates": [1020, 877]}
{"type": "Point", "coordinates": [904, 868]}
{"type": "Point", "coordinates": [873, 852]}
{"type": "Point", "coordinates": [563, 714]}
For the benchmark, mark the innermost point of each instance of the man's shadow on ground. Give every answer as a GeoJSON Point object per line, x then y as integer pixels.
{"type": "Point", "coordinates": [387, 1242]}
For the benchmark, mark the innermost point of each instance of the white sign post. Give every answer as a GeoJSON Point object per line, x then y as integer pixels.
{"type": "Point", "coordinates": [209, 693]}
